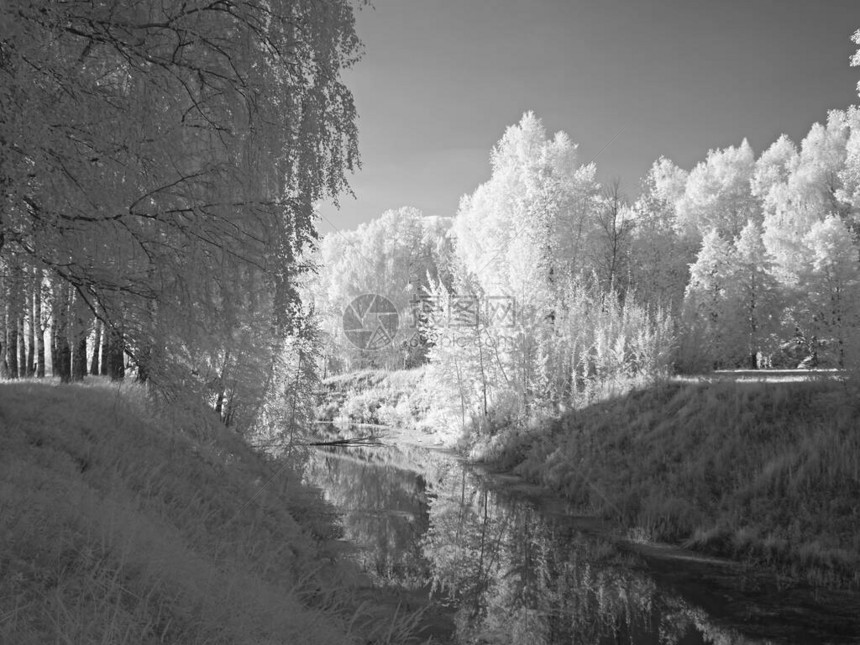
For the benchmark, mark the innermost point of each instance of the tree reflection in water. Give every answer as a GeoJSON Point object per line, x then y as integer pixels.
{"type": "Point", "coordinates": [384, 510]}
{"type": "Point", "coordinates": [507, 573]}
{"type": "Point", "coordinates": [515, 578]}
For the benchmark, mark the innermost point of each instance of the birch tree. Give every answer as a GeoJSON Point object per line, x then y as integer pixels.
{"type": "Point", "coordinates": [397, 256]}
{"type": "Point", "coordinates": [707, 306]}
{"type": "Point", "coordinates": [146, 147]}
{"type": "Point", "coordinates": [830, 282]}
{"type": "Point", "coordinates": [611, 254]}
{"type": "Point", "coordinates": [755, 295]}
{"type": "Point", "coordinates": [799, 188]}
{"type": "Point", "coordinates": [718, 193]}
{"type": "Point", "coordinates": [660, 254]}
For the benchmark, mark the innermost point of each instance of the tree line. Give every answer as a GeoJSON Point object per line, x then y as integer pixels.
{"type": "Point", "coordinates": [743, 261]}
{"type": "Point", "coordinates": [159, 163]}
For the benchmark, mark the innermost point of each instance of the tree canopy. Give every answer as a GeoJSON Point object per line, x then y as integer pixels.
{"type": "Point", "coordinates": [163, 158]}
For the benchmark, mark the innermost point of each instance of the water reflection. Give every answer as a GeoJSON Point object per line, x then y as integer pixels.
{"type": "Point", "coordinates": [384, 510]}
{"type": "Point", "coordinates": [516, 578]}
{"type": "Point", "coordinates": [506, 572]}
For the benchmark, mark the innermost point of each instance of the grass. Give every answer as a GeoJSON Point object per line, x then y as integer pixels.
{"type": "Point", "coordinates": [120, 523]}
{"type": "Point", "coordinates": [760, 471]}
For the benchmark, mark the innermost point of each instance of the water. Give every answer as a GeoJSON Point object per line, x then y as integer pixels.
{"type": "Point", "coordinates": [493, 565]}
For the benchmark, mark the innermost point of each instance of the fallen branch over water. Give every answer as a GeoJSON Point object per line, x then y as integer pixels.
{"type": "Point", "coordinates": [369, 440]}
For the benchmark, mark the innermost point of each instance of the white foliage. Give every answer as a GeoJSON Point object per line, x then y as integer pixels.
{"type": "Point", "coordinates": [395, 256]}
{"type": "Point", "coordinates": [527, 225]}
{"type": "Point", "coordinates": [718, 193]}
{"type": "Point", "coordinates": [659, 255]}
{"type": "Point", "coordinates": [830, 285]}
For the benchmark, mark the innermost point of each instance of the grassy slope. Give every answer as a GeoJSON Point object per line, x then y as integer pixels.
{"type": "Point", "coordinates": [767, 471]}
{"type": "Point", "coordinates": [116, 526]}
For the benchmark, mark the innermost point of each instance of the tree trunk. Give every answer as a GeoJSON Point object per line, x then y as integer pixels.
{"type": "Point", "coordinates": [483, 374]}
{"type": "Point", "coordinates": [230, 405]}
{"type": "Point", "coordinates": [62, 325]}
{"type": "Point", "coordinates": [64, 357]}
{"type": "Point", "coordinates": [4, 326]}
{"type": "Point", "coordinates": [22, 347]}
{"type": "Point", "coordinates": [143, 360]}
{"type": "Point", "coordinates": [31, 332]}
{"type": "Point", "coordinates": [80, 324]}
{"type": "Point", "coordinates": [97, 333]}
{"type": "Point", "coordinates": [222, 386]}
{"type": "Point", "coordinates": [13, 312]}
{"type": "Point", "coordinates": [55, 345]}
{"type": "Point", "coordinates": [116, 356]}
{"type": "Point", "coordinates": [105, 351]}
{"type": "Point", "coordinates": [62, 351]}
{"type": "Point", "coordinates": [40, 331]}
{"type": "Point", "coordinates": [79, 360]}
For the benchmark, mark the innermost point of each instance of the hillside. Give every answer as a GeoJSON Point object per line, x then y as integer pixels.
{"type": "Point", "coordinates": [763, 471]}
{"type": "Point", "coordinates": [120, 524]}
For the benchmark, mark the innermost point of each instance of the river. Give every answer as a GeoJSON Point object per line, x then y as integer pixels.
{"type": "Point", "coordinates": [490, 561]}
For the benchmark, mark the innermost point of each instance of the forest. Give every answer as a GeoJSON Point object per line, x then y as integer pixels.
{"type": "Point", "coordinates": [624, 353]}
{"type": "Point", "coordinates": [547, 290]}
{"type": "Point", "coordinates": [160, 166]}
{"type": "Point", "coordinates": [174, 329]}
{"type": "Point", "coordinates": [197, 268]}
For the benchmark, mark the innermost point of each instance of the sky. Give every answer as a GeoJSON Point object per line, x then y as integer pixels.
{"type": "Point", "coordinates": [628, 80]}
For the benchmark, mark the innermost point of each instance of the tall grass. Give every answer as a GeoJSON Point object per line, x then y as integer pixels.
{"type": "Point", "coordinates": [121, 524]}
{"type": "Point", "coordinates": [765, 471]}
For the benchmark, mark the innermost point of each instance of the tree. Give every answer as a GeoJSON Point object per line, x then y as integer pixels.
{"type": "Point", "coordinates": [855, 59]}
{"type": "Point", "coordinates": [660, 255]}
{"type": "Point", "coordinates": [718, 193]}
{"type": "Point", "coordinates": [800, 188]}
{"type": "Point", "coordinates": [397, 256]}
{"type": "Point", "coordinates": [707, 306]}
{"type": "Point", "coordinates": [528, 227]}
{"type": "Point", "coordinates": [525, 234]}
{"type": "Point", "coordinates": [754, 294]}
{"type": "Point", "coordinates": [612, 252]}
{"type": "Point", "coordinates": [830, 280]}
{"type": "Point", "coordinates": [154, 155]}
{"type": "Point", "coordinates": [14, 312]}
{"type": "Point", "coordinates": [733, 302]}
{"type": "Point", "coordinates": [849, 175]}
{"type": "Point", "coordinates": [538, 233]}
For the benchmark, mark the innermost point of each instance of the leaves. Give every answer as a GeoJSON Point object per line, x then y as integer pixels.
{"type": "Point", "coordinates": [163, 159]}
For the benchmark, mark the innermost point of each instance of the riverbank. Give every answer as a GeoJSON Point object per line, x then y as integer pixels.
{"type": "Point", "coordinates": [762, 472]}
{"type": "Point", "coordinates": [124, 523]}
{"type": "Point", "coordinates": [498, 560]}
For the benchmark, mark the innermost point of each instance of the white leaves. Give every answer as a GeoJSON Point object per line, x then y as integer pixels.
{"type": "Point", "coordinates": [833, 253]}
{"type": "Point", "coordinates": [709, 276]}
{"type": "Point", "coordinates": [850, 173]}
{"type": "Point", "coordinates": [733, 301]}
{"type": "Point", "coordinates": [718, 193]}
{"type": "Point", "coordinates": [855, 58]}
{"type": "Point", "coordinates": [397, 256]}
{"type": "Point", "coordinates": [830, 285]}
{"type": "Point", "coordinates": [164, 157]}
{"type": "Point", "coordinates": [528, 222]}
{"type": "Point", "coordinates": [773, 170]}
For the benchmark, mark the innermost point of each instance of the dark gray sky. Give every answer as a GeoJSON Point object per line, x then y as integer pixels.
{"type": "Point", "coordinates": [442, 79]}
